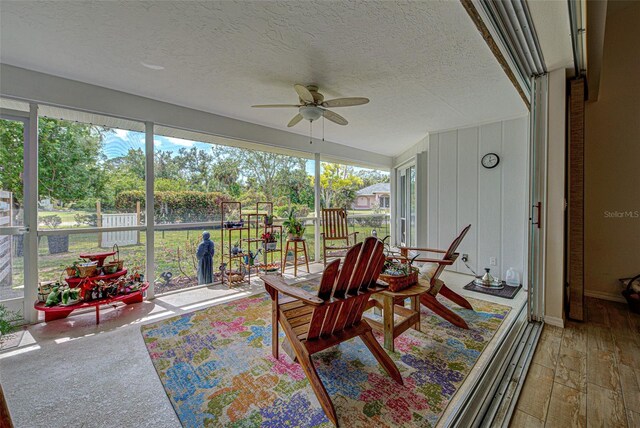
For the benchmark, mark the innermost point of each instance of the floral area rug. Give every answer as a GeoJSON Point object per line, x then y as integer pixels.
{"type": "Point", "coordinates": [217, 369]}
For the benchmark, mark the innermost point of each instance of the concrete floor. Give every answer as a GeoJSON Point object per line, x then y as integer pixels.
{"type": "Point", "coordinates": [72, 373]}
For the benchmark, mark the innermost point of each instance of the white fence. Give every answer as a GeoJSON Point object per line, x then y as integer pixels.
{"type": "Point", "coordinates": [6, 215]}
{"type": "Point", "coordinates": [124, 237]}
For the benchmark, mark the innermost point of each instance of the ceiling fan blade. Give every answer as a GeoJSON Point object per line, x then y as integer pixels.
{"type": "Point", "coordinates": [304, 93]}
{"type": "Point", "coordinates": [297, 118]}
{"type": "Point", "coordinates": [345, 102]}
{"type": "Point", "coordinates": [275, 105]}
{"type": "Point", "coordinates": [335, 117]}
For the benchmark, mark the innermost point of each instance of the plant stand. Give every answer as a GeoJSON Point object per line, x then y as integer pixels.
{"type": "Point", "coordinates": [296, 250]}
{"type": "Point", "coordinates": [270, 256]}
{"type": "Point", "coordinates": [235, 266]}
{"type": "Point", "coordinates": [58, 312]}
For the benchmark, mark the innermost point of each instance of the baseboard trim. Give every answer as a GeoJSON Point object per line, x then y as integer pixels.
{"type": "Point", "coordinates": [555, 321]}
{"type": "Point", "coordinates": [605, 296]}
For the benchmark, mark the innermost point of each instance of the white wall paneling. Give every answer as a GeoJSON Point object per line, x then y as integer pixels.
{"type": "Point", "coordinates": [447, 185]}
{"type": "Point", "coordinates": [493, 201]}
{"type": "Point", "coordinates": [467, 194]}
{"type": "Point", "coordinates": [432, 192]}
{"type": "Point", "coordinates": [514, 195]}
{"type": "Point", "coordinates": [422, 168]}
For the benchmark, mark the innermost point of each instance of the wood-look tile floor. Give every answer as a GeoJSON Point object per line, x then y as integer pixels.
{"type": "Point", "coordinates": [585, 375]}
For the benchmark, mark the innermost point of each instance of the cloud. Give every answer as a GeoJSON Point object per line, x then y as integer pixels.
{"type": "Point", "coordinates": [122, 133]}
{"type": "Point", "coordinates": [180, 142]}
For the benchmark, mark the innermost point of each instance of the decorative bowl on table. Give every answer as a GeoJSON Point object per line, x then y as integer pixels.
{"type": "Point", "coordinates": [399, 280]}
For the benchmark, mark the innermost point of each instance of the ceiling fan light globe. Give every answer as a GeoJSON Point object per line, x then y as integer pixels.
{"type": "Point", "coordinates": [311, 113]}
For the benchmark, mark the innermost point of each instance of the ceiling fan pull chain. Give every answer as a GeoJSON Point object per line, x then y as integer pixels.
{"type": "Point", "coordinates": [322, 126]}
{"type": "Point", "coordinates": [311, 132]}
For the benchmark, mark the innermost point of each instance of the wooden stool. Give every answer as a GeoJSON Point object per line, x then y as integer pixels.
{"type": "Point", "coordinates": [303, 249]}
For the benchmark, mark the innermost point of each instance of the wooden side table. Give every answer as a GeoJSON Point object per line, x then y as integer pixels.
{"type": "Point", "coordinates": [296, 250]}
{"type": "Point", "coordinates": [392, 303]}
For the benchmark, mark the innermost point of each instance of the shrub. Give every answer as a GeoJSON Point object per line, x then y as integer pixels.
{"type": "Point", "coordinates": [88, 220]}
{"type": "Point", "coordinates": [86, 204]}
{"type": "Point", "coordinates": [177, 207]}
{"type": "Point", "coordinates": [51, 221]}
{"type": "Point", "coordinates": [283, 210]}
{"type": "Point", "coordinates": [7, 318]}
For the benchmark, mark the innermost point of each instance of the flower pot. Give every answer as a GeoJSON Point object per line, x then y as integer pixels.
{"type": "Point", "coordinates": [270, 246]}
{"type": "Point", "coordinates": [58, 244]}
{"type": "Point", "coordinates": [110, 268]}
{"type": "Point", "coordinates": [268, 221]}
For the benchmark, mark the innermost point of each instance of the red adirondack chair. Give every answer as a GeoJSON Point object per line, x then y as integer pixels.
{"type": "Point", "coordinates": [429, 299]}
{"type": "Point", "coordinates": [313, 323]}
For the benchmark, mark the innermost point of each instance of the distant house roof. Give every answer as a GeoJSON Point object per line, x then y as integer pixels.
{"type": "Point", "coordinates": [375, 188]}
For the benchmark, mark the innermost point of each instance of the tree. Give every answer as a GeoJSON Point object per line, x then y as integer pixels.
{"type": "Point", "coordinates": [372, 176]}
{"type": "Point", "coordinates": [11, 152]}
{"type": "Point", "coordinates": [296, 186]}
{"type": "Point", "coordinates": [165, 165]}
{"type": "Point", "coordinates": [338, 185]}
{"type": "Point", "coordinates": [132, 162]}
{"type": "Point", "coordinates": [195, 166]}
{"type": "Point", "coordinates": [68, 160]}
{"type": "Point", "coordinates": [261, 169]}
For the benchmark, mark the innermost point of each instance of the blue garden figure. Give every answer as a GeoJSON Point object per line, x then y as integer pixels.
{"type": "Point", "coordinates": [204, 254]}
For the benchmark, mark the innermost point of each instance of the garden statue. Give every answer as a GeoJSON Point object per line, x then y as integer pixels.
{"type": "Point", "coordinates": [204, 254]}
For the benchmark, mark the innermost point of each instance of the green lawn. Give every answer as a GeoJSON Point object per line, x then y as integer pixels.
{"type": "Point", "coordinates": [174, 250]}
{"type": "Point", "coordinates": [67, 217]}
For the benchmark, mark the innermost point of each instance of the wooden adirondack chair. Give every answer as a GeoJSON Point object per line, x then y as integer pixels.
{"type": "Point", "coordinates": [336, 238]}
{"type": "Point", "coordinates": [313, 323]}
{"type": "Point", "coordinates": [437, 285]}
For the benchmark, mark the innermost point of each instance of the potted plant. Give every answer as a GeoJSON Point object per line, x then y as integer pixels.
{"type": "Point", "coordinates": [397, 272]}
{"type": "Point", "coordinates": [269, 241]}
{"type": "Point", "coordinates": [268, 220]}
{"type": "Point", "coordinates": [72, 271]}
{"type": "Point", "coordinates": [7, 318]}
{"type": "Point", "coordinates": [236, 249]}
{"type": "Point", "coordinates": [57, 243]}
{"type": "Point", "coordinates": [293, 226]}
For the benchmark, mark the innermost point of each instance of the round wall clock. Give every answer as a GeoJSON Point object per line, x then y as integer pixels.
{"type": "Point", "coordinates": [490, 160]}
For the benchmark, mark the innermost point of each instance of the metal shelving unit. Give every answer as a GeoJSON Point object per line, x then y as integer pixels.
{"type": "Point", "coordinates": [239, 267]}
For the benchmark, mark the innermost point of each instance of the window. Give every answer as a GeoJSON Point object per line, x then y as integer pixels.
{"type": "Point", "coordinates": [194, 174]}
{"type": "Point", "coordinates": [92, 183]}
{"type": "Point", "coordinates": [11, 209]}
{"type": "Point", "coordinates": [354, 188]}
{"type": "Point", "coordinates": [91, 178]}
{"type": "Point", "coordinates": [88, 171]}
{"type": "Point", "coordinates": [406, 200]}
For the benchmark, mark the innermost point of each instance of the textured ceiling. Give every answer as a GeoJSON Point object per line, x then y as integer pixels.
{"type": "Point", "coordinates": [423, 64]}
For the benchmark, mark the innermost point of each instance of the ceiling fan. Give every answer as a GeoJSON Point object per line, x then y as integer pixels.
{"type": "Point", "coordinates": [313, 106]}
